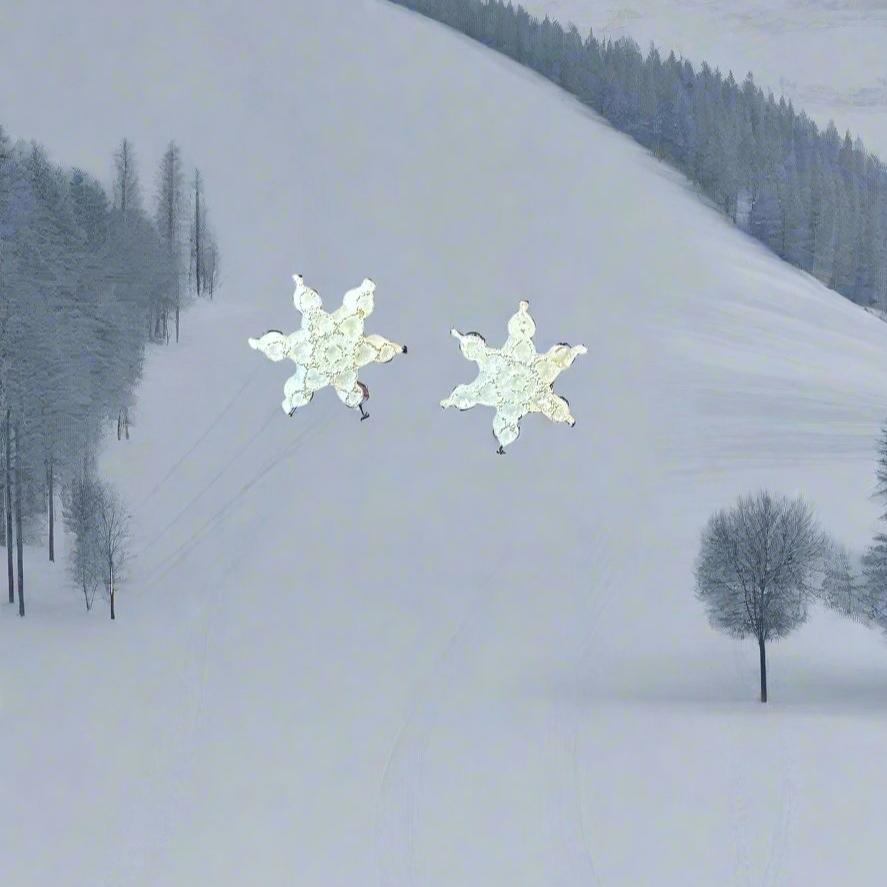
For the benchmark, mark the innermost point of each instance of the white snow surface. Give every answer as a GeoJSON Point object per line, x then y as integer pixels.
{"type": "Point", "coordinates": [828, 56]}
{"type": "Point", "coordinates": [377, 653]}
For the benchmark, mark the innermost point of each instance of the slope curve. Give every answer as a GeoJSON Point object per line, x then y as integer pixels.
{"type": "Point", "coordinates": [378, 653]}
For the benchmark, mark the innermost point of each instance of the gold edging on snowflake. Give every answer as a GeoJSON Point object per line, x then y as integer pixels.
{"type": "Point", "coordinates": [328, 349]}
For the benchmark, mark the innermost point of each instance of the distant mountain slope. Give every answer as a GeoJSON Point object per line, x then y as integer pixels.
{"type": "Point", "coordinates": [817, 200]}
{"type": "Point", "coordinates": [827, 57]}
{"type": "Point", "coordinates": [377, 653]}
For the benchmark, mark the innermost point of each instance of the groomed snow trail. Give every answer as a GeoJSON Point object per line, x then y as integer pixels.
{"type": "Point", "coordinates": [358, 653]}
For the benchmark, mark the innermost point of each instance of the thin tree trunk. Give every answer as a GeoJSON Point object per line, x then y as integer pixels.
{"type": "Point", "coordinates": [18, 528]}
{"type": "Point", "coordinates": [763, 658]}
{"type": "Point", "coordinates": [111, 577]}
{"type": "Point", "coordinates": [197, 234]}
{"type": "Point", "coordinates": [51, 514]}
{"type": "Point", "coordinates": [8, 469]}
{"type": "Point", "coordinates": [177, 319]}
{"type": "Point", "coordinates": [3, 508]}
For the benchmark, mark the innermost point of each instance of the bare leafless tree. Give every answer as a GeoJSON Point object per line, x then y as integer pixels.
{"type": "Point", "coordinates": [756, 569]}
{"type": "Point", "coordinates": [7, 471]}
{"type": "Point", "coordinates": [113, 540]}
{"type": "Point", "coordinates": [210, 278]}
{"type": "Point", "coordinates": [19, 539]}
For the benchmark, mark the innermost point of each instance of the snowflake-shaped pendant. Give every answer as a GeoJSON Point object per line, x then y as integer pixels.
{"type": "Point", "coordinates": [514, 379]}
{"type": "Point", "coordinates": [329, 349]}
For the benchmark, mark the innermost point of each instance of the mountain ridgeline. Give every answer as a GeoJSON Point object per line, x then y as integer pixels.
{"type": "Point", "coordinates": [817, 199]}
{"type": "Point", "coordinates": [87, 280]}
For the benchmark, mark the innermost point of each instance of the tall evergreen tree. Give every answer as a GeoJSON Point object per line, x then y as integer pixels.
{"type": "Point", "coordinates": [874, 562]}
{"type": "Point", "coordinates": [127, 190]}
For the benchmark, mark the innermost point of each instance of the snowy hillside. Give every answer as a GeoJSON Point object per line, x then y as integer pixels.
{"type": "Point", "coordinates": [377, 653]}
{"type": "Point", "coordinates": [828, 57]}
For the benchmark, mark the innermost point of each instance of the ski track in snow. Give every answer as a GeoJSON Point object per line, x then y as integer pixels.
{"type": "Point", "coordinates": [401, 779]}
{"type": "Point", "coordinates": [402, 788]}
{"type": "Point", "coordinates": [203, 436]}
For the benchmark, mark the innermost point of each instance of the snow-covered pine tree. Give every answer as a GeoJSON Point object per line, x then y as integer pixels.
{"type": "Point", "coordinates": [874, 562]}
{"type": "Point", "coordinates": [169, 215]}
{"type": "Point", "coordinates": [79, 274]}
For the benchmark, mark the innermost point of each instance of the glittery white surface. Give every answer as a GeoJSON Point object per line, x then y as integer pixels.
{"type": "Point", "coordinates": [514, 379]}
{"type": "Point", "coordinates": [329, 348]}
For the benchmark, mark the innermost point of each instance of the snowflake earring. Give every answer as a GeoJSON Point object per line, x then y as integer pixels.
{"type": "Point", "coordinates": [329, 349]}
{"type": "Point", "coordinates": [514, 379]}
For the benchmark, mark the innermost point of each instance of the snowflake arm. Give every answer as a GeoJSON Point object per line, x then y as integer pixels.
{"type": "Point", "coordinates": [274, 345]}
{"type": "Point", "coordinates": [295, 392]}
{"type": "Point", "coordinates": [521, 329]}
{"type": "Point", "coordinates": [377, 349]}
{"type": "Point", "coordinates": [557, 359]}
{"type": "Point", "coordinates": [464, 397]}
{"type": "Point", "coordinates": [359, 301]}
{"type": "Point", "coordinates": [304, 298]}
{"type": "Point", "coordinates": [554, 408]}
{"type": "Point", "coordinates": [506, 430]}
{"type": "Point", "coordinates": [473, 346]}
{"type": "Point", "coordinates": [357, 304]}
{"type": "Point", "coordinates": [353, 397]}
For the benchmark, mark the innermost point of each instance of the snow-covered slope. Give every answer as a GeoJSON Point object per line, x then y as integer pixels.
{"type": "Point", "coordinates": [828, 57]}
{"type": "Point", "coordinates": [377, 653]}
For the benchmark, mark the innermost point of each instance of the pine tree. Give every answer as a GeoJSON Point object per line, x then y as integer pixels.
{"type": "Point", "coordinates": [874, 563]}
{"type": "Point", "coordinates": [816, 199]}
{"type": "Point", "coordinates": [204, 253]}
{"type": "Point", "coordinates": [78, 274]}
{"type": "Point", "coordinates": [127, 191]}
{"type": "Point", "coordinates": [169, 216]}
